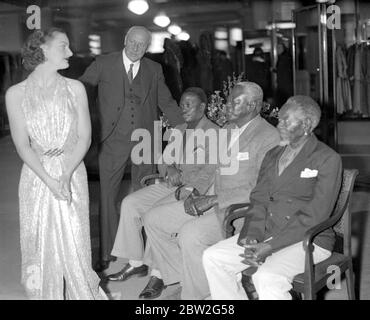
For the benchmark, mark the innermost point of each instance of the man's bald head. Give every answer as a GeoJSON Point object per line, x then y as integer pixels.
{"type": "Point", "coordinates": [244, 102]}
{"type": "Point", "coordinates": [252, 91]}
{"type": "Point", "coordinates": [139, 30]}
{"type": "Point", "coordinates": [137, 41]}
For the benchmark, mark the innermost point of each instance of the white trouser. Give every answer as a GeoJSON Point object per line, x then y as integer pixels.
{"type": "Point", "coordinates": [129, 241]}
{"type": "Point", "coordinates": [223, 267]}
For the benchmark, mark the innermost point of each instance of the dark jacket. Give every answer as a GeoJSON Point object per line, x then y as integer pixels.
{"type": "Point", "coordinates": [107, 73]}
{"type": "Point", "coordinates": [286, 206]}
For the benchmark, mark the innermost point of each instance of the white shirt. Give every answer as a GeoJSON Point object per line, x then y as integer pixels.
{"type": "Point", "coordinates": [127, 62]}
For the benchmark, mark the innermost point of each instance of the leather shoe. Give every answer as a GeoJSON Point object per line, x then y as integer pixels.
{"type": "Point", "coordinates": [128, 271]}
{"type": "Point", "coordinates": [153, 289]}
{"type": "Point", "coordinates": [101, 265]}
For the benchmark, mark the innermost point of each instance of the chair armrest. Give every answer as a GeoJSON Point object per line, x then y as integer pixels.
{"type": "Point", "coordinates": [144, 181]}
{"type": "Point", "coordinates": [311, 233]}
{"type": "Point", "coordinates": [232, 213]}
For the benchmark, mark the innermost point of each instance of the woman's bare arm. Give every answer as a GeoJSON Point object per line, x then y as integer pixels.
{"type": "Point", "coordinates": [17, 123]}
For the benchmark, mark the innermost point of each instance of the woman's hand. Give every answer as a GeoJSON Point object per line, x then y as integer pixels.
{"type": "Point", "coordinates": [65, 185]}
{"type": "Point", "coordinates": [56, 188]}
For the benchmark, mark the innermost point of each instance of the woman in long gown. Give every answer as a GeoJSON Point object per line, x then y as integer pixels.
{"type": "Point", "coordinates": [50, 126]}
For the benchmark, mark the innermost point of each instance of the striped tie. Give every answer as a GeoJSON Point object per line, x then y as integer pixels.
{"type": "Point", "coordinates": [130, 74]}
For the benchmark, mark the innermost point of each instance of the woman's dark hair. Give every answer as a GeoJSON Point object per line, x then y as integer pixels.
{"type": "Point", "coordinates": [32, 54]}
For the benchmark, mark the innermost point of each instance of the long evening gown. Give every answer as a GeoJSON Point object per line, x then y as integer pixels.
{"type": "Point", "coordinates": [55, 236]}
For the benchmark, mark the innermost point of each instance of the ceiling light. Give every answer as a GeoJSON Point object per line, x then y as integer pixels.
{"type": "Point", "coordinates": [138, 7]}
{"type": "Point", "coordinates": [94, 37]}
{"type": "Point", "coordinates": [161, 20]}
{"type": "Point", "coordinates": [183, 36]}
{"type": "Point", "coordinates": [174, 29]}
{"type": "Point", "coordinates": [285, 25]}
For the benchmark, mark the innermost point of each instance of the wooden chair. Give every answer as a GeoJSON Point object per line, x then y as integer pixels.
{"type": "Point", "coordinates": [151, 179]}
{"type": "Point", "coordinates": [315, 277]}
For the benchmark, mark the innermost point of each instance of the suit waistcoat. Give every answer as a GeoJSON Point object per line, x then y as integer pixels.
{"type": "Point", "coordinates": [129, 119]}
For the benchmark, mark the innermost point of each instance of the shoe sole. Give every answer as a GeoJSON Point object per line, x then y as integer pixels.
{"type": "Point", "coordinates": [153, 297]}
{"type": "Point", "coordinates": [138, 275]}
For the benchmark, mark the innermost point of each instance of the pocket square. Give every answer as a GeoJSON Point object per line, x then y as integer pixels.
{"type": "Point", "coordinates": [308, 173]}
{"type": "Point", "coordinates": [242, 156]}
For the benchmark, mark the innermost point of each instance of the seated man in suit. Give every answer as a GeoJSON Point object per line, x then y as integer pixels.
{"type": "Point", "coordinates": [177, 234]}
{"type": "Point", "coordinates": [129, 242]}
{"type": "Point", "coordinates": [297, 188]}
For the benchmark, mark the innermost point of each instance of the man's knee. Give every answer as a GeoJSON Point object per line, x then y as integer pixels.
{"type": "Point", "coordinates": [264, 279]}
{"type": "Point", "coordinates": [189, 235]}
{"type": "Point", "coordinates": [129, 205]}
{"type": "Point", "coordinates": [152, 218]}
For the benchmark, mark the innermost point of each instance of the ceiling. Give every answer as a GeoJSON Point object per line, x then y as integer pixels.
{"type": "Point", "coordinates": [108, 14]}
{"type": "Point", "coordinates": [114, 13]}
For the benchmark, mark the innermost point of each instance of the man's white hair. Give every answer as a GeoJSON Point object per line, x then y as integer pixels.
{"type": "Point", "coordinates": [254, 93]}
{"type": "Point", "coordinates": [308, 108]}
{"type": "Point", "coordinates": [139, 28]}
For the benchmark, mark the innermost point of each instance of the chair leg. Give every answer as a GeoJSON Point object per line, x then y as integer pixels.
{"type": "Point", "coordinates": [296, 295]}
{"type": "Point", "coordinates": [309, 293]}
{"type": "Point", "coordinates": [249, 287]}
{"type": "Point", "coordinates": [350, 282]}
{"type": "Point", "coordinates": [310, 296]}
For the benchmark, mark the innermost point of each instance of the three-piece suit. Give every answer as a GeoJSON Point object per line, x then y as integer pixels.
{"type": "Point", "coordinates": [123, 107]}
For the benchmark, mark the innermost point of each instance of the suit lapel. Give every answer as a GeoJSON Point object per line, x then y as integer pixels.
{"type": "Point", "coordinates": [118, 73]}
{"type": "Point", "coordinates": [276, 164]}
{"type": "Point", "coordinates": [294, 169]}
{"type": "Point", "coordinates": [248, 133]}
{"type": "Point", "coordinates": [146, 79]}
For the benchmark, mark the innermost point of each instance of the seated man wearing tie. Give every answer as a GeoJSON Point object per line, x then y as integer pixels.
{"type": "Point", "coordinates": [129, 242]}
{"type": "Point", "coordinates": [297, 188]}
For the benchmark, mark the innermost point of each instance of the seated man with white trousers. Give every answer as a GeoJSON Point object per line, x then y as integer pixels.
{"type": "Point", "coordinates": [129, 242]}
{"type": "Point", "coordinates": [297, 188]}
{"type": "Point", "coordinates": [249, 137]}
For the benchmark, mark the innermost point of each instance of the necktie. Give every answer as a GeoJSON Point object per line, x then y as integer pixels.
{"type": "Point", "coordinates": [130, 73]}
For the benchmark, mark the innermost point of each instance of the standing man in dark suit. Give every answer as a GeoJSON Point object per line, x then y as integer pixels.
{"type": "Point", "coordinates": [296, 189]}
{"type": "Point", "coordinates": [130, 88]}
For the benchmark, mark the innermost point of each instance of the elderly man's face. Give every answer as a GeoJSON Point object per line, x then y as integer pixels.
{"type": "Point", "coordinates": [137, 42]}
{"type": "Point", "coordinates": [290, 125]}
{"type": "Point", "coordinates": [237, 105]}
{"type": "Point", "coordinates": [191, 107]}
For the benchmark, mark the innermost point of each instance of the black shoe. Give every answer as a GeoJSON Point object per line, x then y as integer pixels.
{"type": "Point", "coordinates": [101, 265]}
{"type": "Point", "coordinates": [127, 272]}
{"type": "Point", "coordinates": [153, 289]}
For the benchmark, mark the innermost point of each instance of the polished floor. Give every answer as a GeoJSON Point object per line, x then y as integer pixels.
{"type": "Point", "coordinates": [10, 262]}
